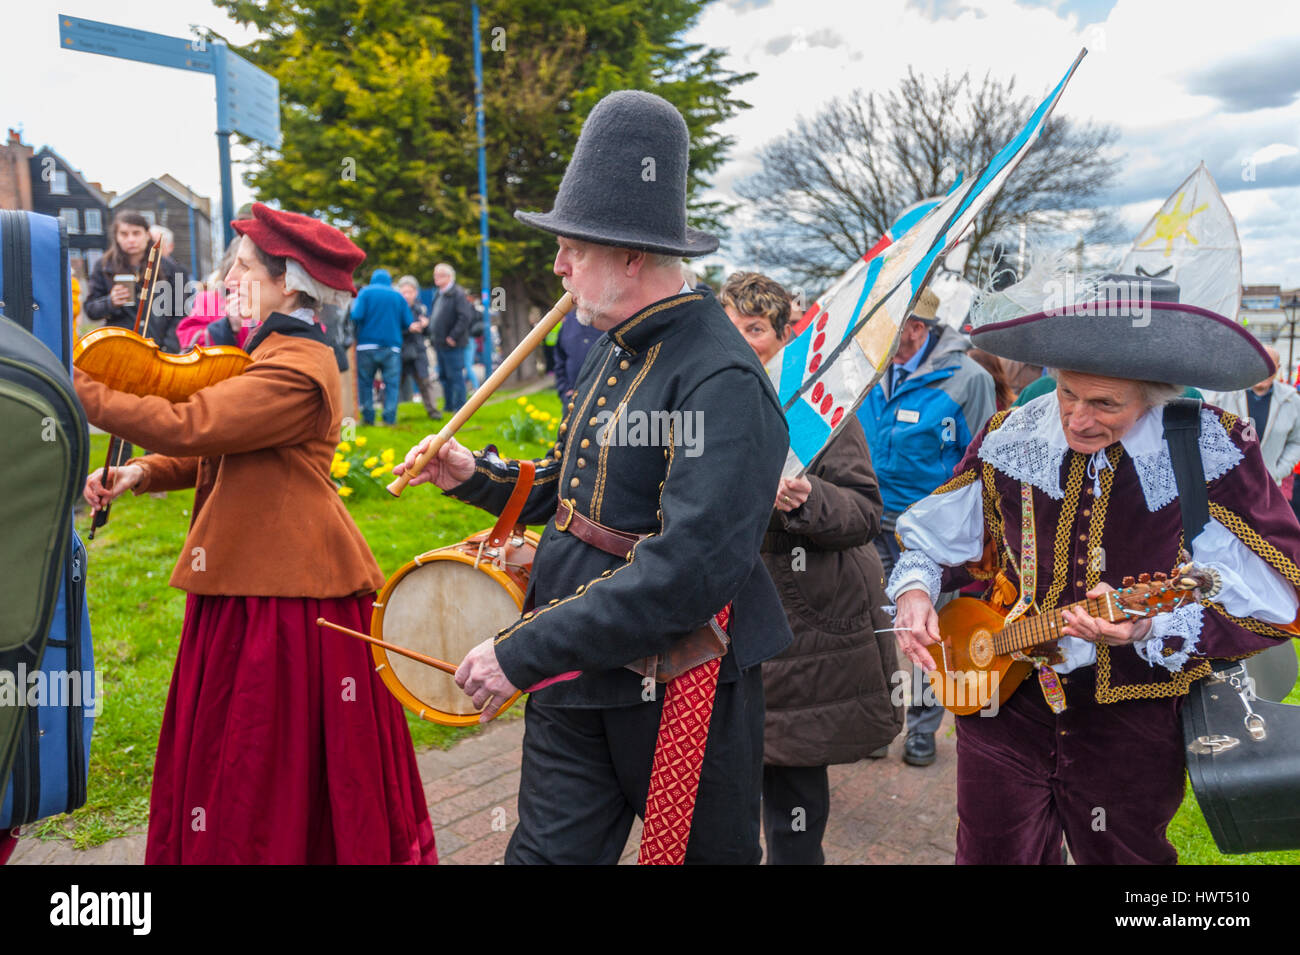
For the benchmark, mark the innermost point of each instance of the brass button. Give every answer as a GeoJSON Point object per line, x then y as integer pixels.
{"type": "Point", "coordinates": [574, 483]}
{"type": "Point", "coordinates": [665, 454]}
{"type": "Point", "coordinates": [1083, 537]}
{"type": "Point", "coordinates": [555, 601]}
{"type": "Point", "coordinates": [570, 405]}
{"type": "Point", "coordinates": [1088, 491]}
{"type": "Point", "coordinates": [600, 402]}
{"type": "Point", "coordinates": [592, 422]}
{"type": "Point", "coordinates": [1079, 561]}
{"type": "Point", "coordinates": [582, 462]}
{"type": "Point", "coordinates": [1079, 584]}
{"type": "Point", "coordinates": [607, 573]}
{"type": "Point", "coordinates": [661, 485]}
{"type": "Point", "coordinates": [581, 588]}
{"type": "Point", "coordinates": [530, 615]}
{"type": "Point", "coordinates": [1086, 511]}
{"type": "Point", "coordinates": [585, 443]}
{"type": "Point", "coordinates": [563, 428]}
{"type": "Point", "coordinates": [1062, 732]}
{"type": "Point", "coordinates": [624, 365]}
{"type": "Point", "coordinates": [611, 381]}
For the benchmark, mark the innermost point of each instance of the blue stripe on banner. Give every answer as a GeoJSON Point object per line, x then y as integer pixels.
{"type": "Point", "coordinates": [873, 271]}
{"type": "Point", "coordinates": [906, 221]}
{"type": "Point", "coordinates": [1005, 154]}
{"type": "Point", "coordinates": [794, 361]}
{"type": "Point", "coordinates": [808, 431]}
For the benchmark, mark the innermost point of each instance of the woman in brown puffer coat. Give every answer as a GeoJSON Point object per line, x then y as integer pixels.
{"type": "Point", "coordinates": [829, 695]}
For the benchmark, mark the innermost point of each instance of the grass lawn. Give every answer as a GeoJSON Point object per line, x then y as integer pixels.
{"type": "Point", "coordinates": [136, 616]}
{"type": "Point", "coordinates": [136, 619]}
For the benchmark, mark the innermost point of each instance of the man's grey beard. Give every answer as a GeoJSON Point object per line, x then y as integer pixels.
{"type": "Point", "coordinates": [583, 316]}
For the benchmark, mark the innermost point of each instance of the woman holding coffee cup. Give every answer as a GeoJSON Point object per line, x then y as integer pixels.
{"type": "Point", "coordinates": [117, 280]}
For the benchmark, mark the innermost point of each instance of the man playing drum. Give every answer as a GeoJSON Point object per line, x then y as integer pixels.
{"type": "Point", "coordinates": [657, 494]}
{"type": "Point", "coordinates": [1065, 497]}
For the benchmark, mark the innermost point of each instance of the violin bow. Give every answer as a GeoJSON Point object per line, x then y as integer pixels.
{"type": "Point", "coordinates": [143, 312]}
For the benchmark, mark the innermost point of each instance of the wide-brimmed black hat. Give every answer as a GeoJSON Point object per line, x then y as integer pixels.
{"type": "Point", "coordinates": [626, 183]}
{"type": "Point", "coordinates": [1134, 327]}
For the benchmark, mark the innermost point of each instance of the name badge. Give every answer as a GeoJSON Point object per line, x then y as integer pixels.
{"type": "Point", "coordinates": [908, 417]}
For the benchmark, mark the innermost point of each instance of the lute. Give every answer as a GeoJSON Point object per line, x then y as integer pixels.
{"type": "Point", "coordinates": [976, 659]}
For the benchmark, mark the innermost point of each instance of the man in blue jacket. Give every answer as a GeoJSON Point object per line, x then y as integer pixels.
{"type": "Point", "coordinates": [918, 421]}
{"type": "Point", "coordinates": [380, 313]}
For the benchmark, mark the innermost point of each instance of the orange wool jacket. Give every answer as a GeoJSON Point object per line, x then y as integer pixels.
{"type": "Point", "coordinates": [268, 521]}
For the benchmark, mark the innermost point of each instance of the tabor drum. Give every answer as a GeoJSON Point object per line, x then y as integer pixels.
{"type": "Point", "coordinates": [443, 604]}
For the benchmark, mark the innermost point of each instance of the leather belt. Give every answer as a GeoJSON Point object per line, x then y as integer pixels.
{"type": "Point", "coordinates": [618, 543]}
{"type": "Point", "coordinates": [699, 646]}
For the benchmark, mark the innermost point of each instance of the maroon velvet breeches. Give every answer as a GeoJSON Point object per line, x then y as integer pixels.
{"type": "Point", "coordinates": [1108, 777]}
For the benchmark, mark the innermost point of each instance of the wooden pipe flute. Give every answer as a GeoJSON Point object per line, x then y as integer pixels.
{"type": "Point", "coordinates": [434, 662]}
{"type": "Point", "coordinates": [484, 391]}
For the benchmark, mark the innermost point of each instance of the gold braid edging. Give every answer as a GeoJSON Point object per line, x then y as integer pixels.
{"type": "Point", "coordinates": [1177, 686]}
{"type": "Point", "coordinates": [1097, 522]}
{"type": "Point", "coordinates": [956, 483]}
{"type": "Point", "coordinates": [1227, 419]}
{"type": "Point", "coordinates": [601, 472]}
{"type": "Point", "coordinates": [1251, 538]}
{"type": "Point", "coordinates": [1249, 623]}
{"type": "Point", "coordinates": [1064, 526]}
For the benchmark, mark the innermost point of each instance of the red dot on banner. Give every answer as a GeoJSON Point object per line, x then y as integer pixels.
{"type": "Point", "coordinates": [826, 403]}
{"type": "Point", "coordinates": [835, 418]}
{"type": "Point", "coordinates": [821, 322]}
{"type": "Point", "coordinates": [815, 363]}
{"type": "Point", "coordinates": [819, 341]}
{"type": "Point", "coordinates": [817, 392]}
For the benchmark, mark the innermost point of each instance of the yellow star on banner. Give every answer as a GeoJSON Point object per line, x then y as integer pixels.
{"type": "Point", "coordinates": [1170, 225]}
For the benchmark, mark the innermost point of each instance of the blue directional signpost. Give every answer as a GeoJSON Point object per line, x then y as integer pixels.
{"type": "Point", "coordinates": [248, 99]}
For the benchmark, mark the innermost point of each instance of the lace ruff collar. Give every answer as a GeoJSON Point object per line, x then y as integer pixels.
{"type": "Point", "coordinates": [1030, 447]}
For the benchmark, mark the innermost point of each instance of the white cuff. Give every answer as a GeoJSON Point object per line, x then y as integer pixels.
{"type": "Point", "coordinates": [1251, 586]}
{"type": "Point", "coordinates": [1184, 623]}
{"type": "Point", "coordinates": [913, 569]}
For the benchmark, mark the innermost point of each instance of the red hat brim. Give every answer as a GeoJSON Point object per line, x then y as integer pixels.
{"type": "Point", "coordinates": [327, 254]}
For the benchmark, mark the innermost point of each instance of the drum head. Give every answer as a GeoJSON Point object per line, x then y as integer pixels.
{"type": "Point", "coordinates": [443, 608]}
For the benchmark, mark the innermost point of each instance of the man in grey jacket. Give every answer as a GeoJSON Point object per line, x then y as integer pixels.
{"type": "Point", "coordinates": [449, 327]}
{"type": "Point", "coordinates": [1274, 409]}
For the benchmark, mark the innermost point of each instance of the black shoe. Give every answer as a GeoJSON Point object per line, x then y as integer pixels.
{"type": "Point", "coordinates": [919, 749]}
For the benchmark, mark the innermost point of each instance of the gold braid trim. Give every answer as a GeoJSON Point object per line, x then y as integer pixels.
{"type": "Point", "coordinates": [1227, 419]}
{"type": "Point", "coordinates": [601, 472]}
{"type": "Point", "coordinates": [1097, 522]}
{"type": "Point", "coordinates": [957, 483]}
{"type": "Point", "coordinates": [1250, 537]}
{"type": "Point", "coordinates": [1064, 529]}
{"type": "Point", "coordinates": [1178, 685]}
{"type": "Point", "coordinates": [1249, 623]}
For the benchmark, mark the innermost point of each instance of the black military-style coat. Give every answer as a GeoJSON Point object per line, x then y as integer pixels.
{"type": "Point", "coordinates": [673, 431]}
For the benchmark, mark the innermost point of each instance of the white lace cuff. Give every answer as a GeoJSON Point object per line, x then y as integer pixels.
{"type": "Point", "coordinates": [913, 568]}
{"type": "Point", "coordinates": [1184, 624]}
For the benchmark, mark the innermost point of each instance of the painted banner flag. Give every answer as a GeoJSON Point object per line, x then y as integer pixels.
{"type": "Point", "coordinates": [1192, 240]}
{"type": "Point", "coordinates": [851, 332]}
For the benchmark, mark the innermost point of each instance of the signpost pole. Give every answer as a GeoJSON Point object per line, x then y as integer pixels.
{"type": "Point", "coordinates": [486, 275]}
{"type": "Point", "coordinates": [223, 140]}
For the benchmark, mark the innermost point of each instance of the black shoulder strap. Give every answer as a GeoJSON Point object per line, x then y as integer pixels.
{"type": "Point", "coordinates": [1182, 433]}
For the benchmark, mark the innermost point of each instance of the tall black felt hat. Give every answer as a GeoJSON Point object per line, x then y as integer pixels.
{"type": "Point", "coordinates": [626, 183]}
{"type": "Point", "coordinates": [1133, 327]}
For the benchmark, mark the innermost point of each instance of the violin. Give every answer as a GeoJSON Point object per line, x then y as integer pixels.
{"type": "Point", "coordinates": [125, 360]}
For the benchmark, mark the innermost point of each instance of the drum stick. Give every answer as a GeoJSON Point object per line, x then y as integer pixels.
{"type": "Point", "coordinates": [484, 391]}
{"type": "Point", "coordinates": [437, 664]}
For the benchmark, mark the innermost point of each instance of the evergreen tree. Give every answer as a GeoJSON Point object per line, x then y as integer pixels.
{"type": "Point", "coordinates": [379, 131]}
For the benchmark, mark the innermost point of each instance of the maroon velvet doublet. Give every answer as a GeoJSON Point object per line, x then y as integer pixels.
{"type": "Point", "coordinates": [1108, 773]}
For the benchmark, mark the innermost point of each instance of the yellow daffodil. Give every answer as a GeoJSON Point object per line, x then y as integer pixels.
{"type": "Point", "coordinates": [344, 491]}
{"type": "Point", "coordinates": [387, 455]}
{"type": "Point", "coordinates": [344, 447]}
{"type": "Point", "coordinates": [370, 462]}
{"type": "Point", "coordinates": [378, 471]}
{"type": "Point", "coordinates": [342, 469]}
{"type": "Point", "coordinates": [523, 401]}
{"type": "Point", "coordinates": [361, 441]}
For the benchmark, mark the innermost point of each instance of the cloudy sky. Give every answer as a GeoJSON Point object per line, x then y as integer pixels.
{"type": "Point", "coordinates": [1184, 81]}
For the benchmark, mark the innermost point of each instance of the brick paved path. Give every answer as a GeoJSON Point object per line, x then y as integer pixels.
{"type": "Point", "coordinates": [882, 811]}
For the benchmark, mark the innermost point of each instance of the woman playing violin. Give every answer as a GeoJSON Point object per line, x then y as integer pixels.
{"type": "Point", "coordinates": [279, 743]}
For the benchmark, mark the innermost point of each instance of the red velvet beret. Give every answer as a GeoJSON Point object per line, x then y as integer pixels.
{"type": "Point", "coordinates": [326, 253]}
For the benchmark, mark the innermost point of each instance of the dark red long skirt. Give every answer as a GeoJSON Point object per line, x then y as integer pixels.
{"type": "Point", "coordinates": [281, 745]}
